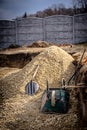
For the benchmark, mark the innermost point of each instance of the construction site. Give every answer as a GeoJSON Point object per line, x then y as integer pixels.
{"type": "Point", "coordinates": [29, 74]}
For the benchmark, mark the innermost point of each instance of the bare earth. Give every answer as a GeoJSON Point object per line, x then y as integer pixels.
{"type": "Point", "coordinates": [21, 50]}
{"type": "Point", "coordinates": [22, 112]}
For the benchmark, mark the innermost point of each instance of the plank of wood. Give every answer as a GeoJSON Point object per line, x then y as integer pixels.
{"type": "Point", "coordinates": [78, 86]}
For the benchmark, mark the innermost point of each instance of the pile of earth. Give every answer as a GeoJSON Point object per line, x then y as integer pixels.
{"type": "Point", "coordinates": [21, 111]}
{"type": "Point", "coordinates": [5, 71]}
{"type": "Point", "coordinates": [82, 72]}
{"type": "Point", "coordinates": [82, 75]}
{"type": "Point", "coordinates": [54, 64]}
{"type": "Point", "coordinates": [40, 44]}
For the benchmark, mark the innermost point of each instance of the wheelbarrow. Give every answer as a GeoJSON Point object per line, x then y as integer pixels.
{"type": "Point", "coordinates": [55, 100]}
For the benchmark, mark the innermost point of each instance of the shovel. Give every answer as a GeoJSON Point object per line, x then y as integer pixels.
{"type": "Point", "coordinates": [32, 87]}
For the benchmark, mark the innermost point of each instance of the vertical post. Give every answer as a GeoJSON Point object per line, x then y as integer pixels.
{"type": "Point", "coordinates": [44, 31]}
{"type": "Point", "coordinates": [73, 30]}
{"type": "Point", "coordinates": [16, 30]}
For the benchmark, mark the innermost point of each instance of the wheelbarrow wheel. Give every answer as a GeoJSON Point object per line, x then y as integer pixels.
{"type": "Point", "coordinates": [53, 98]}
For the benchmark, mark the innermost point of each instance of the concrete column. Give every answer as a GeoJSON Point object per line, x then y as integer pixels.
{"type": "Point", "coordinates": [73, 30]}
{"type": "Point", "coordinates": [44, 30]}
{"type": "Point", "coordinates": [16, 31]}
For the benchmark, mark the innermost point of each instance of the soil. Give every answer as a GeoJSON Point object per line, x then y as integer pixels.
{"type": "Point", "coordinates": [18, 58]}
{"type": "Point", "coordinates": [5, 71]}
{"type": "Point", "coordinates": [21, 111]}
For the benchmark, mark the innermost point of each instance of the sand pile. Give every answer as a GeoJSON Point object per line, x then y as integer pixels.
{"type": "Point", "coordinates": [39, 44]}
{"type": "Point", "coordinates": [54, 64]}
{"type": "Point", "coordinates": [5, 71]}
{"type": "Point", "coordinates": [22, 111]}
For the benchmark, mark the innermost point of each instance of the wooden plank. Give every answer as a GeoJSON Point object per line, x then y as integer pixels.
{"type": "Point", "coordinates": [73, 86]}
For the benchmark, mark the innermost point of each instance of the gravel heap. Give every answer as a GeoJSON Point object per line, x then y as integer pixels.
{"type": "Point", "coordinates": [22, 112]}
{"type": "Point", "coordinates": [54, 64]}
{"type": "Point", "coordinates": [39, 44]}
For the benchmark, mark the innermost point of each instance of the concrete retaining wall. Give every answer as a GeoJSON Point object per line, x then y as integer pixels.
{"type": "Point", "coordinates": [80, 28]}
{"type": "Point", "coordinates": [7, 33]}
{"type": "Point", "coordinates": [59, 29]}
{"type": "Point", "coordinates": [56, 29]}
{"type": "Point", "coordinates": [29, 30]}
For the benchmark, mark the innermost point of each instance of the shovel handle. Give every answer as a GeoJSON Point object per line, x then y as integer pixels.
{"type": "Point", "coordinates": [37, 67]}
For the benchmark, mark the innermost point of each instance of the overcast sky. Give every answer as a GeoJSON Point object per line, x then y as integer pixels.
{"type": "Point", "coordinates": [10, 9]}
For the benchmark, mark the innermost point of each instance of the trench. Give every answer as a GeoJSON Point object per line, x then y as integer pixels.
{"type": "Point", "coordinates": [18, 60]}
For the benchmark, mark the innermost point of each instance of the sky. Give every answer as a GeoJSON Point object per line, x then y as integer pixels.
{"type": "Point", "coordinates": [10, 9]}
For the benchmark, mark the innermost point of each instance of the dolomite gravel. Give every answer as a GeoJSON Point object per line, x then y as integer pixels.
{"type": "Point", "coordinates": [22, 112]}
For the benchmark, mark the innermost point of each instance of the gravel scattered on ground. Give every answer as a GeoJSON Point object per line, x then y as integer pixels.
{"type": "Point", "coordinates": [22, 112]}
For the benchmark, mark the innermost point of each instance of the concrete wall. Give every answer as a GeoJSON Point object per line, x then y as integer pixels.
{"type": "Point", "coordinates": [80, 28]}
{"type": "Point", "coordinates": [7, 33]}
{"type": "Point", "coordinates": [59, 29]}
{"type": "Point", "coordinates": [56, 29]}
{"type": "Point", "coordinates": [29, 30]}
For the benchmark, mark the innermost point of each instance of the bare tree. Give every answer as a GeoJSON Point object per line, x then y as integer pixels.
{"type": "Point", "coordinates": [61, 8]}
{"type": "Point", "coordinates": [25, 15]}
{"type": "Point", "coordinates": [80, 6]}
{"type": "Point", "coordinates": [74, 2]}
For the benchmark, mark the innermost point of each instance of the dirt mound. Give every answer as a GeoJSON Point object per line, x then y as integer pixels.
{"type": "Point", "coordinates": [39, 44]}
{"type": "Point", "coordinates": [54, 64]}
{"type": "Point", "coordinates": [5, 71]}
{"type": "Point", "coordinates": [22, 111]}
{"type": "Point", "coordinates": [82, 74]}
